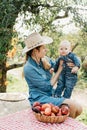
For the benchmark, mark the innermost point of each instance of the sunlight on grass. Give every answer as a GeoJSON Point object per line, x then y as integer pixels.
{"type": "Point", "coordinates": [83, 116]}
{"type": "Point", "coordinates": [16, 85]}
{"type": "Point", "coordinates": [81, 84]}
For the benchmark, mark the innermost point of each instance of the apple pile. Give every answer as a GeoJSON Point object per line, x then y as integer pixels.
{"type": "Point", "coordinates": [50, 109]}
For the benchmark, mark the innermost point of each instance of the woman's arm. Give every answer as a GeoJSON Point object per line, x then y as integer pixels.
{"type": "Point", "coordinates": [38, 79]}
{"type": "Point", "coordinates": [56, 76]}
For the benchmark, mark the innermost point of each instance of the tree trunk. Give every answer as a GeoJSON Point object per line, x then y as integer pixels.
{"type": "Point", "coordinates": [3, 73]}
{"type": "Point", "coordinates": [84, 65]}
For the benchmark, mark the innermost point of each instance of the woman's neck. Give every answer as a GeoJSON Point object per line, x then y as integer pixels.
{"type": "Point", "coordinates": [36, 59]}
{"type": "Point", "coordinates": [35, 56]}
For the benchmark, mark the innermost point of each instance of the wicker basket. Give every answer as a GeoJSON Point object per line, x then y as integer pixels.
{"type": "Point", "coordinates": [50, 119]}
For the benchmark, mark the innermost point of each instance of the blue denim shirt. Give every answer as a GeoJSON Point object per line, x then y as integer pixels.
{"type": "Point", "coordinates": [38, 80]}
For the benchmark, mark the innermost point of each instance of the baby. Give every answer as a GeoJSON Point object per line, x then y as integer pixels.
{"type": "Point", "coordinates": [68, 75]}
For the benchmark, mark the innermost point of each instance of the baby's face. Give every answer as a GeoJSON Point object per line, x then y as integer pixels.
{"type": "Point", "coordinates": [64, 49]}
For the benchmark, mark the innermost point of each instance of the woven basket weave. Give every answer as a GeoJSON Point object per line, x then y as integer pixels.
{"type": "Point", "coordinates": [50, 119]}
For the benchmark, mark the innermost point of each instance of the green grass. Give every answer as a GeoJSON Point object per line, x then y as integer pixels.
{"type": "Point", "coordinates": [16, 85]}
{"type": "Point", "coordinates": [82, 85]}
{"type": "Point", "coordinates": [83, 116]}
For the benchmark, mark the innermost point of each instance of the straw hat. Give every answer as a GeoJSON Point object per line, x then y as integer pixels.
{"type": "Point", "coordinates": [34, 40]}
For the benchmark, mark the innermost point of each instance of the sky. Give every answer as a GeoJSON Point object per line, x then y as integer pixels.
{"type": "Point", "coordinates": [66, 24]}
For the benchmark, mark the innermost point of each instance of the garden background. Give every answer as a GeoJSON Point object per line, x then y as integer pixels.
{"type": "Point", "coordinates": [60, 19]}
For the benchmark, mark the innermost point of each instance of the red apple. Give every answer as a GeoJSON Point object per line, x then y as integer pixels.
{"type": "Point", "coordinates": [36, 104]}
{"type": "Point", "coordinates": [51, 105]}
{"type": "Point", "coordinates": [44, 106]}
{"type": "Point", "coordinates": [55, 109]}
{"type": "Point", "coordinates": [47, 111]}
{"type": "Point", "coordinates": [65, 110]}
{"type": "Point", "coordinates": [59, 113]}
{"type": "Point", "coordinates": [38, 108]}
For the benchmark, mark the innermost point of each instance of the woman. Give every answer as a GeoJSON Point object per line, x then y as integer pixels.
{"type": "Point", "coordinates": [39, 80]}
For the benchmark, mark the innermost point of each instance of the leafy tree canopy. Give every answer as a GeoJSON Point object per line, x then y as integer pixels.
{"type": "Point", "coordinates": [35, 12]}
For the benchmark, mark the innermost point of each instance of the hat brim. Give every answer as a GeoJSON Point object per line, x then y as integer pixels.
{"type": "Point", "coordinates": [45, 40]}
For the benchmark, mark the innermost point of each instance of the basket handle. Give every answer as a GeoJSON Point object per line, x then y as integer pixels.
{"type": "Point", "coordinates": [65, 105]}
{"type": "Point", "coordinates": [36, 110]}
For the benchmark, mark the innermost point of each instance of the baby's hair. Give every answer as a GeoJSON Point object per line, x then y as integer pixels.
{"type": "Point", "coordinates": [65, 42]}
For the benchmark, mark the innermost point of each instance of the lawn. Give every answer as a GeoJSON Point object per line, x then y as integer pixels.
{"type": "Point", "coordinates": [16, 81]}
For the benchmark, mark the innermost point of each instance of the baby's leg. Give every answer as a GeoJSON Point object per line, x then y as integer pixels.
{"type": "Point", "coordinates": [69, 86]}
{"type": "Point", "coordinates": [60, 87]}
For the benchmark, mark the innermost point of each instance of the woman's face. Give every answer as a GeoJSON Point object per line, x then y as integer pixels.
{"type": "Point", "coordinates": [42, 51]}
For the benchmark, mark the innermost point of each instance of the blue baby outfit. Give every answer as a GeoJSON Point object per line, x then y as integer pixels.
{"type": "Point", "coordinates": [38, 80]}
{"type": "Point", "coordinates": [67, 80]}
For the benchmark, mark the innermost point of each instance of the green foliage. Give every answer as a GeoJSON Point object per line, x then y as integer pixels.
{"type": "Point", "coordinates": [79, 40]}
{"type": "Point", "coordinates": [16, 84]}
{"type": "Point", "coordinates": [5, 37]}
{"type": "Point", "coordinates": [83, 116]}
{"type": "Point", "coordinates": [82, 83]}
{"type": "Point", "coordinates": [53, 48]}
{"type": "Point", "coordinates": [42, 13]}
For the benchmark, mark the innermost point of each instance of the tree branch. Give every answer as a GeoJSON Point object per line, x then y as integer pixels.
{"type": "Point", "coordinates": [66, 14]}
{"type": "Point", "coordinates": [75, 46]}
{"type": "Point", "coordinates": [14, 66]}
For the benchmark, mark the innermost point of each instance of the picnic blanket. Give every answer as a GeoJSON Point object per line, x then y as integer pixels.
{"type": "Point", "coordinates": [25, 120]}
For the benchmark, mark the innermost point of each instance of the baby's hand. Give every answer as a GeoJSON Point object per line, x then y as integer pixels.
{"type": "Point", "coordinates": [74, 69]}
{"type": "Point", "coordinates": [51, 70]}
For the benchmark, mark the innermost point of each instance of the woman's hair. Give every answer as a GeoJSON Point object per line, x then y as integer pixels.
{"type": "Point", "coordinates": [29, 53]}
{"type": "Point", "coordinates": [45, 62]}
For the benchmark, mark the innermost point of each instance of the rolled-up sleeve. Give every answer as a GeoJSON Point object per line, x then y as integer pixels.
{"type": "Point", "coordinates": [77, 61]}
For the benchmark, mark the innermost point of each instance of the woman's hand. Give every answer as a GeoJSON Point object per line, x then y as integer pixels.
{"type": "Point", "coordinates": [61, 63]}
{"type": "Point", "coordinates": [56, 76]}
{"type": "Point", "coordinates": [74, 69]}
{"type": "Point", "coordinates": [51, 70]}
{"type": "Point", "coordinates": [70, 64]}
